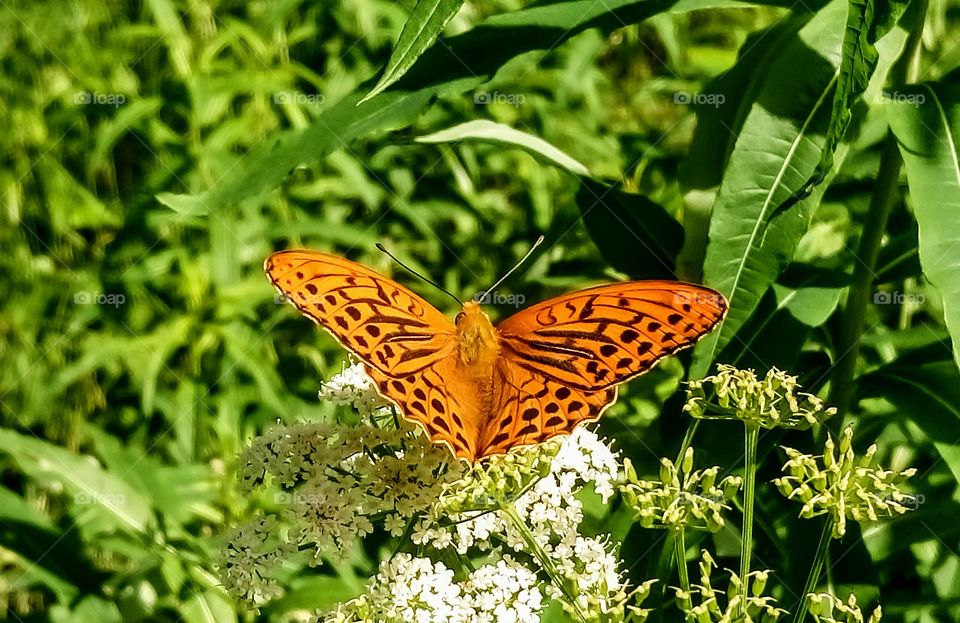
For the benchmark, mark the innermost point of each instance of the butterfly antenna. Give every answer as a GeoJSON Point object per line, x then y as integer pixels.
{"type": "Point", "coordinates": [415, 273]}
{"type": "Point", "coordinates": [515, 267]}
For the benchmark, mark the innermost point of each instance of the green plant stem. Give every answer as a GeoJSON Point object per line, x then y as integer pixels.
{"type": "Point", "coordinates": [680, 546]}
{"type": "Point", "coordinates": [882, 201]}
{"type": "Point", "coordinates": [750, 438]}
{"type": "Point", "coordinates": [814, 577]}
{"type": "Point", "coordinates": [555, 577]}
{"type": "Point", "coordinates": [687, 439]}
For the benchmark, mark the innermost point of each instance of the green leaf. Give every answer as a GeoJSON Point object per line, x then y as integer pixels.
{"type": "Point", "coordinates": [867, 22]}
{"type": "Point", "coordinates": [926, 122]}
{"type": "Point", "coordinates": [210, 606]}
{"type": "Point", "coordinates": [421, 29]}
{"type": "Point", "coordinates": [926, 393]}
{"type": "Point", "coordinates": [450, 66]}
{"type": "Point", "coordinates": [492, 132]}
{"type": "Point", "coordinates": [778, 147]}
{"type": "Point", "coordinates": [784, 318]}
{"type": "Point", "coordinates": [718, 125]}
{"type": "Point", "coordinates": [265, 167]}
{"type": "Point", "coordinates": [634, 235]}
{"type": "Point", "coordinates": [97, 495]}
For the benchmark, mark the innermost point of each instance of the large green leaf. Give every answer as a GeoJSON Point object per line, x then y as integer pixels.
{"type": "Point", "coordinates": [777, 150]}
{"type": "Point", "coordinates": [421, 29]}
{"type": "Point", "coordinates": [926, 122]}
{"type": "Point", "coordinates": [718, 126]}
{"type": "Point", "coordinates": [778, 147]}
{"type": "Point", "coordinates": [451, 65]}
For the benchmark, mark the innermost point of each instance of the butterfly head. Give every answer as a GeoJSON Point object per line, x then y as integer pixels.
{"type": "Point", "coordinates": [476, 336]}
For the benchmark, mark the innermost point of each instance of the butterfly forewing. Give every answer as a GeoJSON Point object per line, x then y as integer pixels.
{"type": "Point", "coordinates": [388, 327]}
{"type": "Point", "coordinates": [596, 338]}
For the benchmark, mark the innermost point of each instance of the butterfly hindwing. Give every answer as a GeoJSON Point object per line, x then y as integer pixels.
{"type": "Point", "coordinates": [439, 399]}
{"type": "Point", "coordinates": [595, 338]}
{"type": "Point", "coordinates": [530, 408]}
{"type": "Point", "coordinates": [389, 327]}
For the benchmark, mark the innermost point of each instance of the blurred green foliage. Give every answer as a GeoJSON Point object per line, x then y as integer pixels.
{"type": "Point", "coordinates": [141, 347]}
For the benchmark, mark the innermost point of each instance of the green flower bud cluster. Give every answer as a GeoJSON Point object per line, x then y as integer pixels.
{"type": "Point", "coordinates": [843, 485]}
{"type": "Point", "coordinates": [682, 498]}
{"type": "Point", "coordinates": [772, 402]}
{"type": "Point", "coordinates": [705, 604]}
{"type": "Point", "coordinates": [826, 608]}
{"type": "Point", "coordinates": [498, 480]}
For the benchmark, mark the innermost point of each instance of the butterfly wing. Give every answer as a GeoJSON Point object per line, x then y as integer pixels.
{"type": "Point", "coordinates": [442, 400]}
{"type": "Point", "coordinates": [531, 408]}
{"type": "Point", "coordinates": [389, 327]}
{"type": "Point", "coordinates": [598, 337]}
{"type": "Point", "coordinates": [561, 360]}
{"type": "Point", "coordinates": [407, 345]}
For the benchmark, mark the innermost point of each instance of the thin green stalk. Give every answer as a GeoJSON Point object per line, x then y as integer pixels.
{"type": "Point", "coordinates": [750, 439]}
{"type": "Point", "coordinates": [688, 439]}
{"type": "Point", "coordinates": [814, 577]}
{"type": "Point", "coordinates": [882, 201]}
{"type": "Point", "coordinates": [681, 550]}
{"type": "Point", "coordinates": [541, 557]}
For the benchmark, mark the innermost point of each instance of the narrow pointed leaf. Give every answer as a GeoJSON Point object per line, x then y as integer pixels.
{"type": "Point", "coordinates": [489, 131]}
{"type": "Point", "coordinates": [420, 31]}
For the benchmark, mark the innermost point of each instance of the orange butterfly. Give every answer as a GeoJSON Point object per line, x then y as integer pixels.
{"type": "Point", "coordinates": [483, 390]}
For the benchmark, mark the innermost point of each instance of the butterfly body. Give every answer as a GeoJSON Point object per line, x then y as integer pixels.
{"type": "Point", "coordinates": [483, 389]}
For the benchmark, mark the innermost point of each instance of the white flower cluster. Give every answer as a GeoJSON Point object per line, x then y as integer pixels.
{"type": "Point", "coordinates": [541, 520]}
{"type": "Point", "coordinates": [518, 513]}
{"type": "Point", "coordinates": [409, 589]}
{"type": "Point", "coordinates": [354, 387]}
{"type": "Point", "coordinates": [251, 555]}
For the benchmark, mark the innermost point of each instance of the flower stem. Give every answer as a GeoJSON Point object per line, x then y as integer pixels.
{"type": "Point", "coordinates": [814, 577]}
{"type": "Point", "coordinates": [750, 439]}
{"type": "Point", "coordinates": [680, 544]}
{"type": "Point", "coordinates": [545, 562]}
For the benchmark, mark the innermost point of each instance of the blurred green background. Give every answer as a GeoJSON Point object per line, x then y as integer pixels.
{"type": "Point", "coordinates": [141, 346]}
